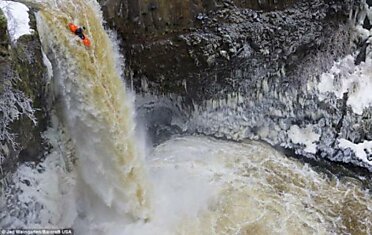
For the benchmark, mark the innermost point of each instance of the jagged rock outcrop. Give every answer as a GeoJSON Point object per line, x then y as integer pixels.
{"type": "Point", "coordinates": [23, 99]}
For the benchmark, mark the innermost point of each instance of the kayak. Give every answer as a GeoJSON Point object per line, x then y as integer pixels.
{"type": "Point", "coordinates": [73, 29]}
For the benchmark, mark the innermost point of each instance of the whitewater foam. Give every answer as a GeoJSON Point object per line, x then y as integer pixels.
{"type": "Point", "coordinates": [207, 186]}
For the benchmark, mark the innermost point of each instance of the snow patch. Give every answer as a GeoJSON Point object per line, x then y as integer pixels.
{"type": "Point", "coordinates": [344, 77]}
{"type": "Point", "coordinates": [362, 150]}
{"type": "Point", "coordinates": [304, 136]}
{"type": "Point", "coordinates": [17, 18]}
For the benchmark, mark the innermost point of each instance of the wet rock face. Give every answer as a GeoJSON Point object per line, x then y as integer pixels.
{"type": "Point", "coordinates": [137, 18]}
{"type": "Point", "coordinates": [30, 68]}
{"type": "Point", "coordinates": [23, 99]}
{"type": "Point", "coordinates": [140, 19]}
{"type": "Point", "coordinates": [3, 31]}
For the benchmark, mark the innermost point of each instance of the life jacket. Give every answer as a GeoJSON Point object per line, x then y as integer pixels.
{"type": "Point", "coordinates": [73, 29]}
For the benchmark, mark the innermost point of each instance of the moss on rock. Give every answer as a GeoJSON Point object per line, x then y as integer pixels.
{"type": "Point", "coordinates": [4, 41]}
{"type": "Point", "coordinates": [28, 64]}
{"type": "Point", "coordinates": [24, 74]}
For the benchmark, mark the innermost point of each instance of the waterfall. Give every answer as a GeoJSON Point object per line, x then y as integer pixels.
{"type": "Point", "coordinates": [94, 107]}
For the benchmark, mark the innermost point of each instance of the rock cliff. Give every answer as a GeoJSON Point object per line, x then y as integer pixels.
{"type": "Point", "coordinates": [23, 99]}
{"type": "Point", "coordinates": [239, 69]}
